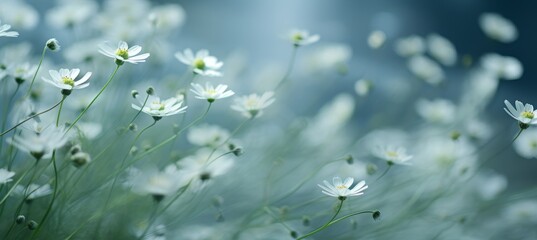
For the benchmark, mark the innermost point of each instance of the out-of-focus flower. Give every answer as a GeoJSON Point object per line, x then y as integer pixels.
{"type": "Point", "coordinates": [490, 185]}
{"type": "Point", "coordinates": [42, 141]}
{"type": "Point", "coordinates": [409, 46]}
{"type": "Point", "coordinates": [524, 211]}
{"type": "Point", "coordinates": [252, 106]}
{"type": "Point", "coordinates": [22, 72]}
{"type": "Point", "coordinates": [508, 68]}
{"type": "Point", "coordinates": [208, 135]}
{"type": "Point", "coordinates": [363, 87]}
{"type": "Point", "coordinates": [82, 51]}
{"type": "Point", "coordinates": [71, 13]}
{"type": "Point", "coordinates": [4, 31]}
{"type": "Point", "coordinates": [204, 166]}
{"type": "Point", "coordinates": [19, 14]}
{"type": "Point", "coordinates": [33, 191]}
{"type": "Point", "coordinates": [123, 53]}
{"type": "Point", "coordinates": [53, 44]}
{"type": "Point", "coordinates": [524, 113]}
{"type": "Point", "coordinates": [210, 93]}
{"type": "Point", "coordinates": [65, 79]}
{"type": "Point", "coordinates": [392, 154]}
{"type": "Point", "coordinates": [5, 176]}
{"type": "Point", "coordinates": [167, 17]}
{"type": "Point", "coordinates": [330, 57]}
{"type": "Point", "coordinates": [202, 63]}
{"type": "Point", "coordinates": [436, 111]}
{"type": "Point", "coordinates": [376, 39]}
{"type": "Point", "coordinates": [302, 37]}
{"type": "Point", "coordinates": [526, 144]}
{"type": "Point", "coordinates": [158, 109]}
{"type": "Point", "coordinates": [90, 130]}
{"type": "Point", "coordinates": [498, 28]}
{"type": "Point", "coordinates": [341, 189]}
{"type": "Point", "coordinates": [156, 183]}
{"type": "Point", "coordinates": [426, 69]}
{"type": "Point", "coordinates": [477, 129]}
{"type": "Point", "coordinates": [441, 49]}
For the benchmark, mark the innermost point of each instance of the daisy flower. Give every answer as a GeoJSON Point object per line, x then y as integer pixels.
{"type": "Point", "coordinates": [252, 106]}
{"type": "Point", "coordinates": [5, 176]}
{"type": "Point", "coordinates": [202, 63]}
{"type": "Point", "coordinates": [208, 135]}
{"type": "Point", "coordinates": [41, 141]}
{"type": "Point", "coordinates": [410, 46]}
{"type": "Point", "coordinates": [65, 79]}
{"type": "Point", "coordinates": [392, 155]}
{"type": "Point", "coordinates": [210, 92]}
{"type": "Point", "coordinates": [155, 183]}
{"type": "Point", "coordinates": [5, 33]}
{"type": "Point", "coordinates": [498, 28]}
{"type": "Point", "coordinates": [442, 49]}
{"type": "Point", "coordinates": [341, 189]}
{"type": "Point", "coordinates": [123, 53]}
{"type": "Point", "coordinates": [526, 144]}
{"type": "Point", "coordinates": [525, 114]}
{"type": "Point", "coordinates": [376, 39]}
{"type": "Point", "coordinates": [302, 37]}
{"type": "Point", "coordinates": [34, 191]}
{"type": "Point", "coordinates": [158, 108]}
{"type": "Point", "coordinates": [505, 67]}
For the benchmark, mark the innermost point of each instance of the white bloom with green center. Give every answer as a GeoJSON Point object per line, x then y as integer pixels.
{"type": "Point", "coordinates": [158, 108]}
{"type": "Point", "coordinates": [526, 144]}
{"type": "Point", "coordinates": [210, 93]}
{"type": "Point", "coordinates": [4, 31]}
{"type": "Point", "coordinates": [339, 188]}
{"type": "Point", "coordinates": [498, 28]}
{"type": "Point", "coordinates": [33, 191]}
{"type": "Point", "coordinates": [123, 53]}
{"type": "Point", "coordinates": [504, 67]}
{"type": "Point", "coordinates": [252, 106]}
{"type": "Point", "coordinates": [392, 155]}
{"type": "Point", "coordinates": [202, 63]}
{"type": "Point", "coordinates": [524, 113]}
{"type": "Point", "coordinates": [41, 141]}
{"type": "Point", "coordinates": [66, 79]}
{"type": "Point", "coordinates": [6, 176]}
{"type": "Point", "coordinates": [302, 37]}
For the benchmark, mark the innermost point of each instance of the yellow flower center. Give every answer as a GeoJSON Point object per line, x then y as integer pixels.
{"type": "Point", "coordinates": [211, 91]}
{"type": "Point", "coordinates": [199, 63]}
{"type": "Point", "coordinates": [341, 187]}
{"type": "Point", "coordinates": [533, 145]}
{"type": "Point", "coordinates": [297, 37]}
{"type": "Point", "coordinates": [124, 53]}
{"type": "Point", "coordinates": [392, 154]}
{"type": "Point", "coordinates": [69, 81]}
{"type": "Point", "coordinates": [157, 106]}
{"type": "Point", "coordinates": [527, 114]}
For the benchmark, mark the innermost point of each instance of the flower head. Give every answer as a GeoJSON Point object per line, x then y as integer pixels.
{"type": "Point", "coordinates": [302, 37]}
{"type": "Point", "coordinates": [393, 155]}
{"type": "Point", "coordinates": [158, 108]}
{"type": "Point", "coordinates": [498, 28]}
{"type": "Point", "coordinates": [5, 33]}
{"type": "Point", "coordinates": [202, 63]}
{"type": "Point", "coordinates": [210, 92]}
{"type": "Point", "coordinates": [123, 53]}
{"type": "Point", "coordinates": [526, 144]}
{"type": "Point", "coordinates": [53, 44]}
{"type": "Point", "coordinates": [252, 106]}
{"type": "Point", "coordinates": [525, 114]}
{"type": "Point", "coordinates": [342, 189]}
{"type": "Point", "coordinates": [208, 135]}
{"type": "Point", "coordinates": [65, 79]}
{"type": "Point", "coordinates": [508, 68]}
{"type": "Point", "coordinates": [5, 176]}
{"type": "Point", "coordinates": [156, 183]}
{"type": "Point", "coordinates": [41, 141]}
{"type": "Point", "coordinates": [33, 191]}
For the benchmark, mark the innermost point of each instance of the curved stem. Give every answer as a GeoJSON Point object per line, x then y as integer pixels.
{"type": "Point", "coordinates": [36, 71]}
{"type": "Point", "coordinates": [55, 191]}
{"type": "Point", "coordinates": [517, 135]}
{"type": "Point", "coordinates": [4, 121]}
{"type": "Point", "coordinates": [289, 68]}
{"type": "Point", "coordinates": [384, 173]}
{"type": "Point", "coordinates": [151, 220]}
{"type": "Point", "coordinates": [32, 116]}
{"type": "Point", "coordinates": [94, 99]}
{"type": "Point", "coordinates": [326, 224]}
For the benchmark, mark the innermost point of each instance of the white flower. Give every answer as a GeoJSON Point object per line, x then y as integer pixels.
{"type": "Point", "coordinates": [342, 189]}
{"type": "Point", "coordinates": [436, 111]}
{"type": "Point", "coordinates": [330, 57]}
{"type": "Point", "coordinates": [33, 191]}
{"type": "Point", "coordinates": [498, 28]}
{"type": "Point", "coordinates": [376, 39]}
{"type": "Point", "coordinates": [208, 135]}
{"type": "Point", "coordinates": [489, 185]}
{"type": "Point", "coordinates": [204, 166]}
{"type": "Point", "coordinates": [168, 16]}
{"type": "Point", "coordinates": [526, 144]}
{"type": "Point", "coordinates": [123, 53]}
{"type": "Point", "coordinates": [508, 68]}
{"type": "Point", "coordinates": [5, 176]}
{"type": "Point", "coordinates": [441, 49]}
{"type": "Point", "coordinates": [65, 79]}
{"type": "Point", "coordinates": [5, 33]}
{"type": "Point", "coordinates": [22, 72]}
{"type": "Point", "coordinates": [19, 14]}
{"type": "Point", "coordinates": [157, 108]}
{"type": "Point", "coordinates": [522, 212]}
{"type": "Point", "coordinates": [154, 182]}
{"type": "Point", "coordinates": [392, 154]}
{"type": "Point", "coordinates": [302, 37]}
{"type": "Point", "coordinates": [426, 69]}
{"type": "Point", "coordinates": [252, 106]}
{"type": "Point", "coordinates": [71, 13]}
{"type": "Point", "coordinates": [210, 92]}
{"type": "Point", "coordinates": [363, 87]}
{"type": "Point", "coordinates": [202, 63]}
{"type": "Point", "coordinates": [411, 45]}
{"type": "Point", "coordinates": [523, 113]}
{"type": "Point", "coordinates": [41, 141]}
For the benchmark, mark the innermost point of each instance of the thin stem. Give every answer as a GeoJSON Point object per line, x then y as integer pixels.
{"type": "Point", "coordinates": [60, 110]}
{"type": "Point", "coordinates": [385, 171]}
{"type": "Point", "coordinates": [326, 224]}
{"type": "Point", "coordinates": [32, 116]}
{"type": "Point", "coordinates": [55, 191]}
{"type": "Point", "coordinates": [4, 121]}
{"type": "Point", "coordinates": [36, 71]}
{"type": "Point", "coordinates": [94, 99]}
{"type": "Point", "coordinates": [289, 68]}
{"type": "Point", "coordinates": [151, 220]}
{"type": "Point", "coordinates": [517, 135]}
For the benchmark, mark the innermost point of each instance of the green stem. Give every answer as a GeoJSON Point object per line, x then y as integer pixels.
{"type": "Point", "coordinates": [327, 224]}
{"type": "Point", "coordinates": [517, 135]}
{"type": "Point", "coordinates": [289, 68]}
{"type": "Point", "coordinates": [32, 116]}
{"type": "Point", "coordinates": [94, 99]}
{"type": "Point", "coordinates": [4, 121]}
{"type": "Point", "coordinates": [151, 220]}
{"type": "Point", "coordinates": [60, 110]}
{"type": "Point", "coordinates": [49, 208]}
{"type": "Point", "coordinates": [385, 171]}
{"type": "Point", "coordinates": [36, 71]}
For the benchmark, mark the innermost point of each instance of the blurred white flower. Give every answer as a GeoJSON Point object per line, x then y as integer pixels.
{"type": "Point", "coordinates": [204, 166]}
{"type": "Point", "coordinates": [523, 113]}
{"type": "Point", "coordinates": [158, 109]}
{"type": "Point", "coordinates": [252, 106]}
{"type": "Point", "coordinates": [33, 191]}
{"type": "Point", "coordinates": [331, 118]}
{"type": "Point", "coordinates": [508, 68]}
{"type": "Point", "coordinates": [210, 93]}
{"type": "Point", "coordinates": [208, 135]}
{"type": "Point", "coordinates": [524, 211]}
{"type": "Point", "coordinates": [489, 185]}
{"type": "Point", "coordinates": [123, 53]}
{"type": "Point", "coordinates": [302, 37]}
{"type": "Point", "coordinates": [409, 46]}
{"type": "Point", "coordinates": [478, 129]}
{"type": "Point", "coordinates": [202, 63]}
{"type": "Point", "coordinates": [42, 141]}
{"type": "Point", "coordinates": [65, 79]}
{"type": "Point", "coordinates": [156, 183]}
{"type": "Point", "coordinates": [526, 144]}
{"type": "Point", "coordinates": [82, 51]}
{"type": "Point", "coordinates": [22, 72]}
{"type": "Point", "coordinates": [392, 154]}
{"type": "Point", "coordinates": [4, 31]}
{"type": "Point", "coordinates": [376, 39]}
{"type": "Point", "coordinates": [329, 57]}
{"type": "Point", "coordinates": [90, 130]}
{"type": "Point", "coordinates": [426, 69]}
{"type": "Point", "coordinates": [441, 154]}
{"type": "Point", "coordinates": [5, 176]}
{"type": "Point", "coordinates": [19, 14]}
{"type": "Point", "coordinates": [71, 13]}
{"type": "Point", "coordinates": [498, 28]}
{"type": "Point", "coordinates": [441, 49]}
{"type": "Point", "coordinates": [167, 16]}
{"type": "Point", "coordinates": [436, 111]}
{"type": "Point", "coordinates": [341, 189]}
{"type": "Point", "coordinates": [362, 87]}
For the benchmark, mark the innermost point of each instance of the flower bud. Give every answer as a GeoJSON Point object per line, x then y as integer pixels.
{"type": "Point", "coordinates": [80, 159]}
{"type": "Point", "coordinates": [20, 219]}
{"type": "Point", "coordinates": [349, 159]}
{"type": "Point", "coordinates": [134, 93]}
{"type": "Point", "coordinates": [53, 44]}
{"type": "Point", "coordinates": [32, 225]}
{"type": "Point", "coordinates": [237, 151]}
{"type": "Point", "coordinates": [133, 127]}
{"type": "Point", "coordinates": [75, 149]}
{"type": "Point", "coordinates": [455, 135]}
{"type": "Point", "coordinates": [376, 215]}
{"type": "Point", "coordinates": [133, 151]}
{"type": "Point", "coordinates": [150, 91]}
{"type": "Point", "coordinates": [294, 234]}
{"type": "Point", "coordinates": [305, 221]}
{"type": "Point", "coordinates": [371, 169]}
